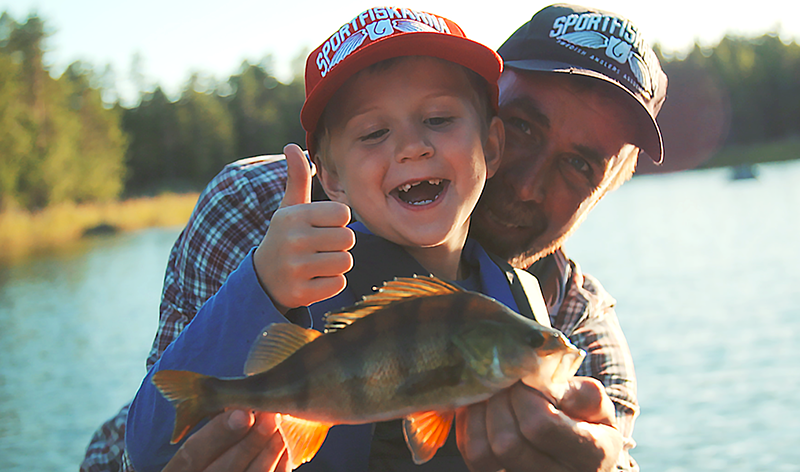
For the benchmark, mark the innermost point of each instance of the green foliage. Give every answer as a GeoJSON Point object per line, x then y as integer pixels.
{"type": "Point", "coordinates": [154, 141]}
{"type": "Point", "coordinates": [207, 133]}
{"type": "Point", "coordinates": [60, 142]}
{"type": "Point", "coordinates": [266, 112]}
{"type": "Point", "coordinates": [16, 138]}
{"type": "Point", "coordinates": [101, 143]}
{"type": "Point", "coordinates": [760, 78]}
{"type": "Point", "coordinates": [57, 141]}
{"type": "Point", "coordinates": [185, 143]}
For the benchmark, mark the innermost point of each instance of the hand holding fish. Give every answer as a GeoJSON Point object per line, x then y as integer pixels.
{"type": "Point", "coordinates": [234, 441]}
{"type": "Point", "coordinates": [303, 257]}
{"type": "Point", "coordinates": [519, 428]}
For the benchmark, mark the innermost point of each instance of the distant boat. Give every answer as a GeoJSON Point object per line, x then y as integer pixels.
{"type": "Point", "coordinates": [744, 171]}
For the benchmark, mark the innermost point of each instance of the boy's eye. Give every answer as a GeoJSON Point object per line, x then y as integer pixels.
{"type": "Point", "coordinates": [374, 135]}
{"type": "Point", "coordinates": [439, 120]}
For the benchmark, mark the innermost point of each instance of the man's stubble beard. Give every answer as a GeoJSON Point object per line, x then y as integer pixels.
{"type": "Point", "coordinates": [528, 223]}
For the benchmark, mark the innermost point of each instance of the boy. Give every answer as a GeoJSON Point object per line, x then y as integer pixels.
{"type": "Point", "coordinates": [400, 120]}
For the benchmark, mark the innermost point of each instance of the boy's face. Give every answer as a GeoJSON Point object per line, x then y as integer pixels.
{"type": "Point", "coordinates": [406, 151]}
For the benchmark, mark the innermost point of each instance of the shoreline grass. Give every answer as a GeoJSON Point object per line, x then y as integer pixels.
{"type": "Point", "coordinates": [759, 153]}
{"type": "Point", "coordinates": [24, 233]}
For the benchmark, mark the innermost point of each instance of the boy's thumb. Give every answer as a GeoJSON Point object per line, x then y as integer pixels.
{"type": "Point", "coordinates": [298, 181]}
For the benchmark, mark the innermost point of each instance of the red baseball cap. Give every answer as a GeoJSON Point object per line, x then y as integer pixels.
{"type": "Point", "coordinates": [383, 33]}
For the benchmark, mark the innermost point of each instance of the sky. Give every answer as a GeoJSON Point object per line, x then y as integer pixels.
{"type": "Point", "coordinates": [174, 38]}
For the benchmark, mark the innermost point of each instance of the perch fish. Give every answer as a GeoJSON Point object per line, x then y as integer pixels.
{"type": "Point", "coordinates": [416, 349]}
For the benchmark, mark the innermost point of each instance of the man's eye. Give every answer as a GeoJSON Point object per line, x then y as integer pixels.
{"type": "Point", "coordinates": [520, 124]}
{"type": "Point", "coordinates": [439, 120]}
{"type": "Point", "coordinates": [374, 135]}
{"type": "Point", "coordinates": [580, 165]}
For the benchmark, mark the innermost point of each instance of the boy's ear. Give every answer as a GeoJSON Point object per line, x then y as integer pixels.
{"type": "Point", "coordinates": [493, 146]}
{"type": "Point", "coordinates": [331, 184]}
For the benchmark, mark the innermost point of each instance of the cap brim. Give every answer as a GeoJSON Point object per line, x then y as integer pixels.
{"type": "Point", "coordinates": [465, 52]}
{"type": "Point", "coordinates": [648, 136]}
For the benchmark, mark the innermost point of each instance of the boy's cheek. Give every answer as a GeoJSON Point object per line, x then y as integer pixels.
{"type": "Point", "coordinates": [333, 185]}
{"type": "Point", "coordinates": [493, 147]}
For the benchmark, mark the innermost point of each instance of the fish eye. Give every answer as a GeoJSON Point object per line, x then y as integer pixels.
{"type": "Point", "coordinates": [535, 339]}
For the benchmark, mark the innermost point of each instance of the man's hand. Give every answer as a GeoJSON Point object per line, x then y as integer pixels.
{"type": "Point", "coordinates": [518, 429]}
{"type": "Point", "coordinates": [234, 441]}
{"type": "Point", "coordinates": [304, 255]}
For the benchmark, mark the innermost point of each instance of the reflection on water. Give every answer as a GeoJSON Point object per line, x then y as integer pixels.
{"type": "Point", "coordinates": [704, 269]}
{"type": "Point", "coordinates": [705, 273]}
{"type": "Point", "coordinates": [75, 330]}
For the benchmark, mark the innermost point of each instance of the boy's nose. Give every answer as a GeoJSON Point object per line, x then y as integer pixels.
{"type": "Point", "coordinates": [413, 145]}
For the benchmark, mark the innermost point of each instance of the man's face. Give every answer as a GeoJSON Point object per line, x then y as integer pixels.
{"type": "Point", "coordinates": [564, 144]}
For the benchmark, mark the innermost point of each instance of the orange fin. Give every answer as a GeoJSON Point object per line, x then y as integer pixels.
{"type": "Point", "coordinates": [397, 290]}
{"type": "Point", "coordinates": [275, 343]}
{"type": "Point", "coordinates": [187, 390]}
{"type": "Point", "coordinates": [426, 432]}
{"type": "Point", "coordinates": [303, 438]}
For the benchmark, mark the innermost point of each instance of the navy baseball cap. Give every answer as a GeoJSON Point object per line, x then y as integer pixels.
{"type": "Point", "coordinates": [585, 41]}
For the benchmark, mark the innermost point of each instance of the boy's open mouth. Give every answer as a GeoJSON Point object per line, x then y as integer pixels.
{"type": "Point", "coordinates": [421, 192]}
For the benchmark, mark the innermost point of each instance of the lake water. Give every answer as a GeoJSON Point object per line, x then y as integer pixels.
{"type": "Point", "coordinates": [704, 269]}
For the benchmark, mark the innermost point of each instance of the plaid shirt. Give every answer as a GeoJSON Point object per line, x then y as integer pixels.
{"type": "Point", "coordinates": [232, 216]}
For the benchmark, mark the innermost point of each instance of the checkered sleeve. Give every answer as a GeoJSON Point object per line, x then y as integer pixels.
{"type": "Point", "coordinates": [231, 217]}
{"type": "Point", "coordinates": [588, 318]}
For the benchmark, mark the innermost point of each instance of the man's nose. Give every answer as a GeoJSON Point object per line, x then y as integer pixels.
{"type": "Point", "coordinates": [413, 144]}
{"type": "Point", "coordinates": [528, 178]}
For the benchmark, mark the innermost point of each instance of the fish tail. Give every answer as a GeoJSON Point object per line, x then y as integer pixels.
{"type": "Point", "coordinates": [189, 392]}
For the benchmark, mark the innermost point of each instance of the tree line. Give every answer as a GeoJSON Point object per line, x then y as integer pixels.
{"type": "Point", "coordinates": [59, 140]}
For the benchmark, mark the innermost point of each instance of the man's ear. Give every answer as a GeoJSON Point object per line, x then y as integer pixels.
{"type": "Point", "coordinates": [493, 146]}
{"type": "Point", "coordinates": [331, 184]}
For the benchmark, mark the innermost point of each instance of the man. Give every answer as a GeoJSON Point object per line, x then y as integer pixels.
{"type": "Point", "coordinates": [578, 99]}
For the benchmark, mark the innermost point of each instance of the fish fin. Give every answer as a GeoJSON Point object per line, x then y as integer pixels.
{"type": "Point", "coordinates": [188, 392]}
{"type": "Point", "coordinates": [303, 438]}
{"type": "Point", "coordinates": [399, 289]}
{"type": "Point", "coordinates": [275, 343]}
{"type": "Point", "coordinates": [426, 432]}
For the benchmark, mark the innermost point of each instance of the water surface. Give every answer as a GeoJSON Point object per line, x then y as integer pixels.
{"type": "Point", "coordinates": [75, 330]}
{"type": "Point", "coordinates": [705, 272]}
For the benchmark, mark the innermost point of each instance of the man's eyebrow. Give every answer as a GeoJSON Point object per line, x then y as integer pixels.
{"type": "Point", "coordinates": [532, 109]}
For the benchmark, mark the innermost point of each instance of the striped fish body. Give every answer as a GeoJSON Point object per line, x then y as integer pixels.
{"type": "Point", "coordinates": [383, 366]}
{"type": "Point", "coordinates": [416, 350]}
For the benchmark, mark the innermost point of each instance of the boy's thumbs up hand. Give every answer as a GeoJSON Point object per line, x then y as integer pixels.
{"type": "Point", "coordinates": [298, 177]}
{"type": "Point", "coordinates": [303, 257]}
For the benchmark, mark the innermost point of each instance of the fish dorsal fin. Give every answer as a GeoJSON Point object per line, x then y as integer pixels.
{"type": "Point", "coordinates": [303, 438]}
{"type": "Point", "coordinates": [275, 343]}
{"type": "Point", "coordinates": [399, 289]}
{"type": "Point", "coordinates": [426, 432]}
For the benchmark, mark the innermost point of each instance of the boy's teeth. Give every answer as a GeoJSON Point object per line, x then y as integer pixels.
{"type": "Point", "coordinates": [407, 187]}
